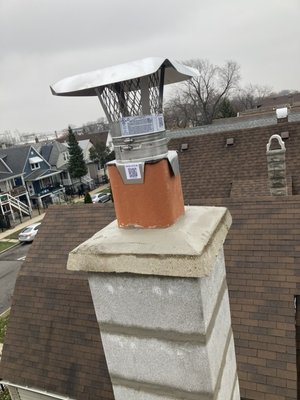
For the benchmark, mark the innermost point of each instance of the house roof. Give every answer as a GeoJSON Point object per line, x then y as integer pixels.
{"type": "Point", "coordinates": [83, 143]}
{"type": "Point", "coordinates": [53, 340]}
{"type": "Point", "coordinates": [280, 101]}
{"type": "Point", "coordinates": [95, 138]}
{"type": "Point", "coordinates": [99, 137]}
{"type": "Point", "coordinates": [262, 261]}
{"type": "Point", "coordinates": [45, 150]}
{"type": "Point", "coordinates": [41, 173]}
{"type": "Point", "coordinates": [262, 256]}
{"type": "Point", "coordinates": [15, 157]}
{"type": "Point", "coordinates": [209, 168]}
{"type": "Point", "coordinates": [8, 175]}
{"type": "Point", "coordinates": [232, 124]}
{"type": "Point", "coordinates": [5, 171]}
{"type": "Point", "coordinates": [51, 151]}
{"type": "Point", "coordinates": [4, 167]}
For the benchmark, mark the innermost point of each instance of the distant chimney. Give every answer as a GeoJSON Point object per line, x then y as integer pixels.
{"type": "Point", "coordinates": [36, 139]}
{"type": "Point", "coordinates": [277, 167]}
{"type": "Point", "coordinates": [282, 115]}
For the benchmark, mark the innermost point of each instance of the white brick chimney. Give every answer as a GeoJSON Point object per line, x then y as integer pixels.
{"type": "Point", "coordinates": [277, 167]}
{"type": "Point", "coordinates": [161, 301]}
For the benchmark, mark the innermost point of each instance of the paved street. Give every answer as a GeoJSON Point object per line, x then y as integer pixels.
{"type": "Point", "coordinates": [10, 263]}
{"type": "Point", "coordinates": [11, 260]}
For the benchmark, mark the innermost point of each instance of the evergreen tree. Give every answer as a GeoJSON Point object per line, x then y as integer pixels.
{"type": "Point", "coordinates": [87, 198]}
{"type": "Point", "coordinates": [101, 153]}
{"type": "Point", "coordinates": [226, 109]}
{"type": "Point", "coordinates": [76, 166]}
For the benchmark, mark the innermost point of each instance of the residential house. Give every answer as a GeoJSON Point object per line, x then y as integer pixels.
{"type": "Point", "coordinates": [86, 142]}
{"type": "Point", "coordinates": [98, 137]}
{"type": "Point", "coordinates": [95, 169]}
{"type": "Point", "coordinates": [13, 194]}
{"type": "Point", "coordinates": [34, 175]}
{"type": "Point", "coordinates": [48, 348]}
{"type": "Point", "coordinates": [92, 175]}
{"type": "Point", "coordinates": [57, 155]}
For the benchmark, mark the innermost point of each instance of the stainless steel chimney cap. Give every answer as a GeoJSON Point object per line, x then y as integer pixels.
{"type": "Point", "coordinates": [86, 83]}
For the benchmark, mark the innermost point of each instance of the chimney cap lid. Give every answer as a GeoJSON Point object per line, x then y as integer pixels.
{"type": "Point", "coordinates": [85, 84]}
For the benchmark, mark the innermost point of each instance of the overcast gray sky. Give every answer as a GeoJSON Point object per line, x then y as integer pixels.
{"type": "Point", "coordinates": [43, 41]}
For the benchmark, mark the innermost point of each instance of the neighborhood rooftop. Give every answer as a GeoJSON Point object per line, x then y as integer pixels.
{"type": "Point", "coordinates": [232, 124]}
{"type": "Point", "coordinates": [53, 337]}
{"type": "Point", "coordinates": [47, 347]}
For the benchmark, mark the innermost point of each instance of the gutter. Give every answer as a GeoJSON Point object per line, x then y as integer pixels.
{"type": "Point", "coordinates": [5, 313]}
{"type": "Point", "coordinates": [42, 392]}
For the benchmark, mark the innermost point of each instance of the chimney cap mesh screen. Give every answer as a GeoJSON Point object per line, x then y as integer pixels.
{"type": "Point", "coordinates": [124, 99]}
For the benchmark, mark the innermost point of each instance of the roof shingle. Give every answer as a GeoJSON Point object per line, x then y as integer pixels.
{"type": "Point", "coordinates": [53, 340]}
{"type": "Point", "coordinates": [209, 168]}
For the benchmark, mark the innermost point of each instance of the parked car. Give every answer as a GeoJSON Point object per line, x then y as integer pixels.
{"type": "Point", "coordinates": [29, 233]}
{"type": "Point", "coordinates": [106, 197]}
{"type": "Point", "coordinates": [101, 197]}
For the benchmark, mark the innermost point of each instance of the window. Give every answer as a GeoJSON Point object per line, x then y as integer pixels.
{"type": "Point", "coordinates": [35, 162]}
{"type": "Point", "coordinates": [35, 166]}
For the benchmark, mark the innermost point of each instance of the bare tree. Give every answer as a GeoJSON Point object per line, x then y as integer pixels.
{"type": "Point", "coordinates": [179, 112]}
{"type": "Point", "coordinates": [8, 138]}
{"type": "Point", "coordinates": [207, 92]}
{"type": "Point", "coordinates": [251, 96]}
{"type": "Point", "coordinates": [100, 125]}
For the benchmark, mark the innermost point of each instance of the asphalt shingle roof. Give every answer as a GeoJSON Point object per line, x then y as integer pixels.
{"type": "Point", "coordinates": [15, 157]}
{"type": "Point", "coordinates": [40, 173]}
{"type": "Point", "coordinates": [5, 173]}
{"type": "Point", "coordinates": [99, 137]}
{"type": "Point", "coordinates": [53, 341]}
{"type": "Point", "coordinates": [209, 168]}
{"type": "Point", "coordinates": [45, 150]}
{"type": "Point", "coordinates": [231, 124]}
{"type": "Point", "coordinates": [47, 341]}
{"type": "Point", "coordinates": [262, 254]}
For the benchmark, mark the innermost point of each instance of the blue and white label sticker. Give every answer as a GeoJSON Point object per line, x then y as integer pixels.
{"type": "Point", "coordinates": [133, 171]}
{"type": "Point", "coordinates": [142, 124]}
